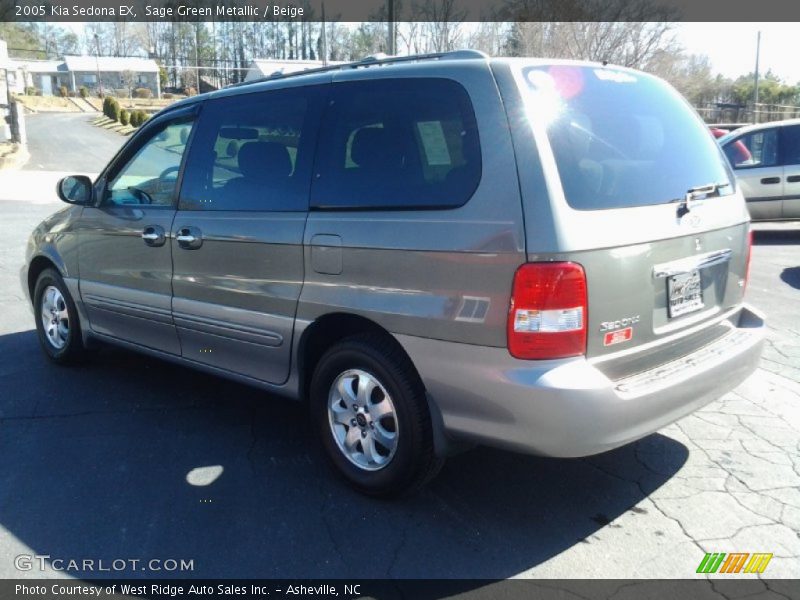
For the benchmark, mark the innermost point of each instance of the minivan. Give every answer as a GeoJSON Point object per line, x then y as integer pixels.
{"type": "Point", "coordinates": [766, 161]}
{"type": "Point", "coordinates": [434, 252]}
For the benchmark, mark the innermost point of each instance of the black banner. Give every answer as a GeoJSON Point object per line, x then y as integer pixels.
{"type": "Point", "coordinates": [411, 589]}
{"type": "Point", "coordinates": [402, 10]}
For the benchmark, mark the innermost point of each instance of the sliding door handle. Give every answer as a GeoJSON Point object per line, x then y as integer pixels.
{"type": "Point", "coordinates": [189, 238]}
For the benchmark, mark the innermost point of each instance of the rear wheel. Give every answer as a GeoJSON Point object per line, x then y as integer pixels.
{"type": "Point", "coordinates": [57, 319]}
{"type": "Point", "coordinates": [372, 416]}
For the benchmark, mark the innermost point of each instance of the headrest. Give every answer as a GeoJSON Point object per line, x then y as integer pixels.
{"type": "Point", "coordinates": [373, 147]}
{"type": "Point", "coordinates": [261, 160]}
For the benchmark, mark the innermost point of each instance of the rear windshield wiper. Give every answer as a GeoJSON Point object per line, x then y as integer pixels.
{"type": "Point", "coordinates": [694, 194]}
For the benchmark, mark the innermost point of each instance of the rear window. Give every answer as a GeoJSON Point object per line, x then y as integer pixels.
{"type": "Point", "coordinates": [622, 139]}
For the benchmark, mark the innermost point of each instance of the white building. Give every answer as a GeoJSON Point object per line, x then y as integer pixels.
{"type": "Point", "coordinates": [117, 75]}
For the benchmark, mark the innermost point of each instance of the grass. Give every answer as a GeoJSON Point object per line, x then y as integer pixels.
{"type": "Point", "coordinates": [47, 103]}
{"type": "Point", "coordinates": [106, 123]}
{"type": "Point", "coordinates": [148, 105]}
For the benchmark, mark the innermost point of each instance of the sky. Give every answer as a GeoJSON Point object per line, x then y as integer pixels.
{"type": "Point", "coordinates": [731, 47]}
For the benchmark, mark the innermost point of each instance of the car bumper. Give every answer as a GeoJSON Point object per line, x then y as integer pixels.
{"type": "Point", "coordinates": [569, 408]}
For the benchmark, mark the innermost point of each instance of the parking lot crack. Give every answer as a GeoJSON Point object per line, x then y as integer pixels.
{"type": "Point", "coordinates": [652, 501]}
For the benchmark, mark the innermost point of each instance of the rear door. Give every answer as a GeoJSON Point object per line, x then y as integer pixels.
{"type": "Point", "coordinates": [756, 162]}
{"type": "Point", "coordinates": [238, 235]}
{"type": "Point", "coordinates": [790, 152]}
{"type": "Point", "coordinates": [605, 184]}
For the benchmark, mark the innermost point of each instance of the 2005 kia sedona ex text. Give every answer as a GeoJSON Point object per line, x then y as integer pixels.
{"type": "Point", "coordinates": [432, 252]}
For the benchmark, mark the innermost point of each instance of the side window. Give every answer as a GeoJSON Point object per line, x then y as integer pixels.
{"type": "Point", "coordinates": [397, 144]}
{"type": "Point", "coordinates": [791, 145]}
{"type": "Point", "coordinates": [252, 152]}
{"type": "Point", "coordinates": [151, 175]}
{"type": "Point", "coordinates": [755, 149]}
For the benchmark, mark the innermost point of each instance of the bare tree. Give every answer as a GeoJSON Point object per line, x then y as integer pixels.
{"type": "Point", "coordinates": [631, 44]}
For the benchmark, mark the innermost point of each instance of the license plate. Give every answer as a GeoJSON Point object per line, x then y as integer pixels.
{"type": "Point", "coordinates": [684, 293]}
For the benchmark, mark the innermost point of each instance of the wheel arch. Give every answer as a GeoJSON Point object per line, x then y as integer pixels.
{"type": "Point", "coordinates": [327, 330]}
{"type": "Point", "coordinates": [39, 263]}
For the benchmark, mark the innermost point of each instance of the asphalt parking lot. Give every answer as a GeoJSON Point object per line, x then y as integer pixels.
{"type": "Point", "coordinates": [130, 458]}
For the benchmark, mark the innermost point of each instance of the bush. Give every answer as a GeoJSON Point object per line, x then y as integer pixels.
{"type": "Point", "coordinates": [190, 91]}
{"type": "Point", "coordinates": [107, 102]}
{"type": "Point", "coordinates": [84, 91]}
{"type": "Point", "coordinates": [143, 116]}
{"type": "Point", "coordinates": [31, 91]}
{"type": "Point", "coordinates": [124, 118]}
{"type": "Point", "coordinates": [114, 110]}
{"type": "Point", "coordinates": [63, 91]}
{"type": "Point", "coordinates": [167, 96]}
{"type": "Point", "coordinates": [142, 93]}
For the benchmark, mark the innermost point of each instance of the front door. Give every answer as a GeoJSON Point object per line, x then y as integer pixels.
{"type": "Point", "coordinates": [237, 242]}
{"type": "Point", "coordinates": [125, 254]}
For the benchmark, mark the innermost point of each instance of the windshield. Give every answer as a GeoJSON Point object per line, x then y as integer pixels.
{"type": "Point", "coordinates": [622, 139]}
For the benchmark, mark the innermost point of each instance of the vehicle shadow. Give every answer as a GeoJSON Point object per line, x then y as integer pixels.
{"type": "Point", "coordinates": [791, 276]}
{"type": "Point", "coordinates": [776, 237]}
{"type": "Point", "coordinates": [128, 457]}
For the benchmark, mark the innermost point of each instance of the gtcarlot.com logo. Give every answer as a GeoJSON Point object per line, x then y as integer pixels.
{"type": "Point", "coordinates": [41, 562]}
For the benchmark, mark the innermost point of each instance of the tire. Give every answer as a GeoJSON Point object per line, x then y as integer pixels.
{"type": "Point", "coordinates": [382, 467]}
{"type": "Point", "coordinates": [60, 337]}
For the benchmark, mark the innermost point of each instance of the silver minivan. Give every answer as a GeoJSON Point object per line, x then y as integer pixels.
{"type": "Point", "coordinates": [766, 161]}
{"type": "Point", "coordinates": [433, 252]}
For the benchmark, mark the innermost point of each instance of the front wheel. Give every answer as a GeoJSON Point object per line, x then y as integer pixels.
{"type": "Point", "coordinates": [372, 416]}
{"type": "Point", "coordinates": [57, 319]}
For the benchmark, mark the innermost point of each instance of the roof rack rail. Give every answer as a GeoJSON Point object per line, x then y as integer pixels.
{"type": "Point", "coordinates": [370, 61]}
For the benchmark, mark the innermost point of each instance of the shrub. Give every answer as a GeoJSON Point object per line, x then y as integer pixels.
{"type": "Point", "coordinates": [133, 119]}
{"type": "Point", "coordinates": [190, 91]}
{"type": "Point", "coordinates": [142, 93]}
{"type": "Point", "coordinates": [167, 96]}
{"type": "Point", "coordinates": [107, 106]}
{"type": "Point", "coordinates": [114, 110]}
{"type": "Point", "coordinates": [84, 91]}
{"type": "Point", "coordinates": [30, 91]}
{"type": "Point", "coordinates": [124, 117]}
{"type": "Point", "coordinates": [143, 116]}
{"type": "Point", "coordinates": [63, 91]}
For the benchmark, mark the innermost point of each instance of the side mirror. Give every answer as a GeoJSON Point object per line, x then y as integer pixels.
{"type": "Point", "coordinates": [75, 189]}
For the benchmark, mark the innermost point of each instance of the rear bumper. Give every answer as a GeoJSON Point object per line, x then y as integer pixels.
{"type": "Point", "coordinates": [569, 408]}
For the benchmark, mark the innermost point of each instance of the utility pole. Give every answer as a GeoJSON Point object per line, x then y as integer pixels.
{"type": "Point", "coordinates": [392, 32]}
{"type": "Point", "coordinates": [755, 83]}
{"type": "Point", "coordinates": [196, 61]}
{"type": "Point", "coordinates": [97, 62]}
{"type": "Point", "coordinates": [324, 38]}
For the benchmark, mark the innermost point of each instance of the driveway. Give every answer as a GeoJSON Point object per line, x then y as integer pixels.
{"type": "Point", "coordinates": [128, 457]}
{"type": "Point", "coordinates": [69, 142]}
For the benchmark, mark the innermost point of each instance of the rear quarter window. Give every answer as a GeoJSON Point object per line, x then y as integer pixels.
{"type": "Point", "coordinates": [397, 144]}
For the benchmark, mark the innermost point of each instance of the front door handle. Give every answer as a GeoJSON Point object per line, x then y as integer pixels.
{"type": "Point", "coordinates": [189, 238]}
{"type": "Point", "coordinates": [793, 178]}
{"type": "Point", "coordinates": [770, 180]}
{"type": "Point", "coordinates": [153, 235]}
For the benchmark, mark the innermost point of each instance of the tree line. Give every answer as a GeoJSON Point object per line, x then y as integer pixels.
{"type": "Point", "coordinates": [224, 50]}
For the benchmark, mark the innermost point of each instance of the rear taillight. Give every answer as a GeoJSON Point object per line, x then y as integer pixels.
{"type": "Point", "coordinates": [548, 313]}
{"type": "Point", "coordinates": [747, 259]}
